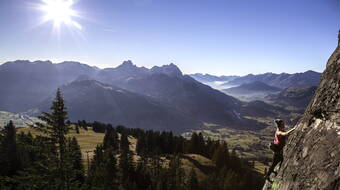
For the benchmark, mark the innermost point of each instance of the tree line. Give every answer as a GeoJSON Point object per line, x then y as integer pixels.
{"type": "Point", "coordinates": [54, 161]}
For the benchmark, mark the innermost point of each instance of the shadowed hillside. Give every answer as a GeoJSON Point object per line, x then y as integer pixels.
{"type": "Point", "coordinates": [293, 98]}
{"type": "Point", "coordinates": [24, 84]}
{"type": "Point", "coordinates": [95, 101]}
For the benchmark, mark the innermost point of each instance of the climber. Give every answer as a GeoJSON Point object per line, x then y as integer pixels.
{"type": "Point", "coordinates": [277, 146]}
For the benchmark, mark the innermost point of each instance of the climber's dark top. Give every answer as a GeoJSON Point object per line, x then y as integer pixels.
{"type": "Point", "coordinates": [280, 140]}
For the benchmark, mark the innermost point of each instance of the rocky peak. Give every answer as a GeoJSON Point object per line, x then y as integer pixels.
{"type": "Point", "coordinates": [312, 154]}
{"type": "Point", "coordinates": [170, 70]}
{"type": "Point", "coordinates": [127, 67]}
{"type": "Point", "coordinates": [127, 63]}
{"type": "Point", "coordinates": [42, 62]}
{"type": "Point", "coordinates": [311, 72]}
{"type": "Point", "coordinates": [70, 63]}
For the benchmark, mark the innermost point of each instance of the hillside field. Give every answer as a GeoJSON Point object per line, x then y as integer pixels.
{"type": "Point", "coordinates": [88, 140]}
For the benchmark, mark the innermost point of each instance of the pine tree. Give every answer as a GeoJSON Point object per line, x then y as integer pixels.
{"type": "Point", "coordinates": [76, 167]}
{"type": "Point", "coordinates": [103, 168]}
{"type": "Point", "coordinates": [9, 162]}
{"type": "Point", "coordinates": [110, 170]}
{"type": "Point", "coordinates": [179, 145]}
{"type": "Point", "coordinates": [192, 182]}
{"type": "Point", "coordinates": [40, 164]}
{"type": "Point", "coordinates": [200, 144]}
{"type": "Point", "coordinates": [193, 143]}
{"type": "Point", "coordinates": [126, 164]}
{"type": "Point", "coordinates": [212, 147]}
{"type": "Point", "coordinates": [98, 157]}
{"type": "Point", "coordinates": [110, 138]}
{"type": "Point", "coordinates": [176, 174]}
{"type": "Point", "coordinates": [143, 178]}
{"type": "Point", "coordinates": [235, 161]}
{"type": "Point", "coordinates": [196, 144]}
{"type": "Point", "coordinates": [124, 142]}
{"type": "Point", "coordinates": [221, 156]}
{"type": "Point", "coordinates": [230, 180]}
{"type": "Point", "coordinates": [77, 129]}
{"type": "Point", "coordinates": [55, 128]}
{"type": "Point", "coordinates": [141, 146]}
{"type": "Point", "coordinates": [68, 122]}
{"type": "Point", "coordinates": [25, 144]}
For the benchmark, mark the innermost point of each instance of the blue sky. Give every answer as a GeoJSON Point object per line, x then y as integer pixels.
{"type": "Point", "coordinates": [219, 37]}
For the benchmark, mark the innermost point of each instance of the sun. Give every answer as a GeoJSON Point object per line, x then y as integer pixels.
{"type": "Point", "coordinates": [60, 12]}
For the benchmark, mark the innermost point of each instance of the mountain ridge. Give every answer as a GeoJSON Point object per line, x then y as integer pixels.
{"type": "Point", "coordinates": [211, 78]}
{"type": "Point", "coordinates": [32, 82]}
{"type": "Point", "coordinates": [283, 80]}
{"type": "Point", "coordinates": [36, 81]}
{"type": "Point", "coordinates": [92, 100]}
{"type": "Point", "coordinates": [181, 91]}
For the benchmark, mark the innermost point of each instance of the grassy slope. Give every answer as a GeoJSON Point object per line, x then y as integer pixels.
{"type": "Point", "coordinates": [88, 140]}
{"type": "Point", "coordinates": [249, 144]}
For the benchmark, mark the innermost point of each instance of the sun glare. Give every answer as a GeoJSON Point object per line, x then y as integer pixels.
{"type": "Point", "coordinates": [60, 12]}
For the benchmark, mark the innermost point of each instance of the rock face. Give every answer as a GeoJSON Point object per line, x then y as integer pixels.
{"type": "Point", "coordinates": [312, 154]}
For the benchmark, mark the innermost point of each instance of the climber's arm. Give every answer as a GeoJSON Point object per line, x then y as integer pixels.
{"type": "Point", "coordinates": [286, 133]}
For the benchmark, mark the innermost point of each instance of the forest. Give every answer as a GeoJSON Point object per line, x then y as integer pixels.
{"type": "Point", "coordinates": [54, 160]}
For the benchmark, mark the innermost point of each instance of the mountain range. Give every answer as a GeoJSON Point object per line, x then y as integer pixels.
{"type": "Point", "coordinates": [25, 84]}
{"type": "Point", "coordinates": [283, 80]}
{"type": "Point", "coordinates": [161, 98]}
{"type": "Point", "coordinates": [170, 86]}
{"type": "Point", "coordinates": [130, 95]}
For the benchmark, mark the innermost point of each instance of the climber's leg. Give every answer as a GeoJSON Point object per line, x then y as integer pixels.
{"type": "Point", "coordinates": [280, 157]}
{"type": "Point", "coordinates": [276, 160]}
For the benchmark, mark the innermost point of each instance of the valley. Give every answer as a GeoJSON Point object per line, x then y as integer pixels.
{"type": "Point", "coordinates": [169, 100]}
